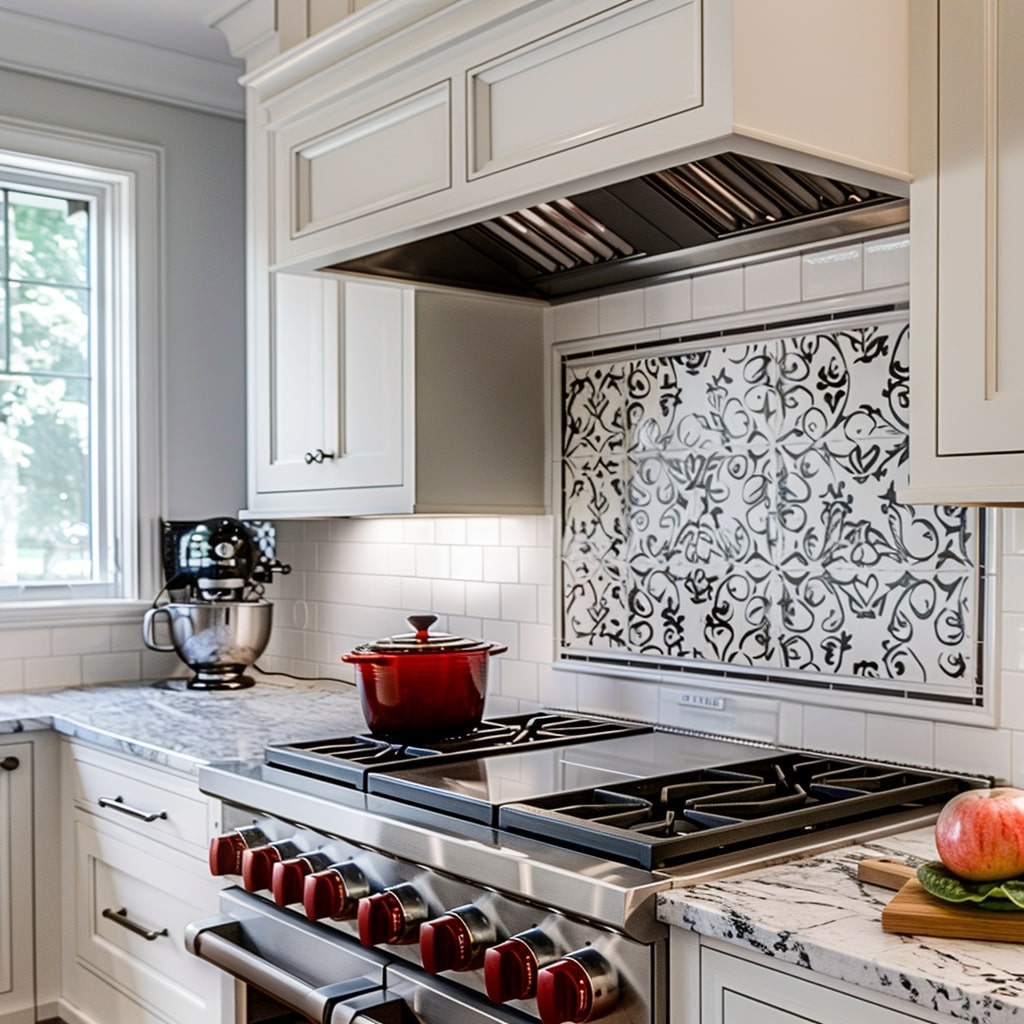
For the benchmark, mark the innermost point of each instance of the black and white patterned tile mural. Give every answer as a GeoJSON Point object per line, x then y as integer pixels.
{"type": "Point", "coordinates": [736, 504]}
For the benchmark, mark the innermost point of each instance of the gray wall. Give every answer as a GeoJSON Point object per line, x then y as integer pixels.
{"type": "Point", "coordinates": [204, 272]}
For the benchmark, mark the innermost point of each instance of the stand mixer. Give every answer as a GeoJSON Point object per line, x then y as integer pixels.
{"type": "Point", "coordinates": [215, 572]}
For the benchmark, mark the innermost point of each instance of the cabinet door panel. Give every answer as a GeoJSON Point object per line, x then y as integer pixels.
{"type": "Point", "coordinates": [16, 932]}
{"type": "Point", "coordinates": [981, 229]}
{"type": "Point", "coordinates": [623, 69]}
{"type": "Point", "coordinates": [395, 154]}
{"type": "Point", "coordinates": [336, 380]}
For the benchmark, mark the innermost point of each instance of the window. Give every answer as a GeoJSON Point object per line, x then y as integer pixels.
{"type": "Point", "coordinates": [78, 352]}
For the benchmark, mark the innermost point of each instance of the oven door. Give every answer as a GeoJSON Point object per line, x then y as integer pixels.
{"type": "Point", "coordinates": [291, 970]}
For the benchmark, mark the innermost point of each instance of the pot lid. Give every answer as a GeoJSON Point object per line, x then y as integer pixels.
{"type": "Point", "coordinates": [423, 642]}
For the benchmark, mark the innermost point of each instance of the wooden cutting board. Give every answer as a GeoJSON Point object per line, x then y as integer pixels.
{"type": "Point", "coordinates": [913, 911]}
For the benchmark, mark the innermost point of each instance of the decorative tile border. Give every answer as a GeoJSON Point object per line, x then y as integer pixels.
{"type": "Point", "coordinates": [735, 505]}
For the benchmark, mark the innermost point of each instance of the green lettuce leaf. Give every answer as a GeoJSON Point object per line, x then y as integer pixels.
{"type": "Point", "coordinates": [937, 879]}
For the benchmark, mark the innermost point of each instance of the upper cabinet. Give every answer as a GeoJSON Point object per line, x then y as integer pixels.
{"type": "Point", "coordinates": [371, 398]}
{"type": "Point", "coordinates": [967, 256]}
{"type": "Point", "coordinates": [412, 117]}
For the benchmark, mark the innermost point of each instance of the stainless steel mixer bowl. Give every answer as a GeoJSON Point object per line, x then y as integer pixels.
{"type": "Point", "coordinates": [218, 640]}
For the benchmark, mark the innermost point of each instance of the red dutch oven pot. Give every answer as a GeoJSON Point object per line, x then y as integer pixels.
{"type": "Point", "coordinates": [421, 687]}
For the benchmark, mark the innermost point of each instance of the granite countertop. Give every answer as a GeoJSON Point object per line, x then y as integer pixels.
{"type": "Point", "coordinates": [814, 913]}
{"type": "Point", "coordinates": [183, 729]}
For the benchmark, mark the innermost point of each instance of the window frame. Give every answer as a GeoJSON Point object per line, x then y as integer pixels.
{"type": "Point", "coordinates": [126, 177]}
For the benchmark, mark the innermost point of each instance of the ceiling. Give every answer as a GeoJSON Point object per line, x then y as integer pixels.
{"type": "Point", "coordinates": [183, 57]}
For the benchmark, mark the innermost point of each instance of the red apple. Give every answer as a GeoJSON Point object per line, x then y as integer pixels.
{"type": "Point", "coordinates": [980, 834]}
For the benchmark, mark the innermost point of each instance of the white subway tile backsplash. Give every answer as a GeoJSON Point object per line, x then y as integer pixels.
{"type": "Point", "coordinates": [433, 560]}
{"type": "Point", "coordinates": [484, 600]}
{"type": "Point", "coordinates": [1013, 531]}
{"type": "Point", "coordinates": [83, 640]}
{"type": "Point", "coordinates": [772, 283]}
{"type": "Point", "coordinates": [1011, 708]}
{"type": "Point", "coordinates": [519, 680]}
{"type": "Point", "coordinates": [576, 320]}
{"type": "Point", "coordinates": [25, 643]}
{"type": "Point", "coordinates": [1013, 583]}
{"type": "Point", "coordinates": [1017, 755]}
{"type": "Point", "coordinates": [903, 740]}
{"type": "Point", "coordinates": [417, 595]}
{"type": "Point", "coordinates": [501, 565]}
{"type": "Point", "coordinates": [621, 311]}
{"type": "Point", "coordinates": [833, 272]}
{"type": "Point", "coordinates": [498, 631]}
{"type": "Point", "coordinates": [401, 559]}
{"type": "Point", "coordinates": [887, 262]}
{"type": "Point", "coordinates": [450, 530]}
{"type": "Point", "coordinates": [834, 730]}
{"type": "Point", "coordinates": [449, 597]}
{"type": "Point", "coordinates": [1013, 641]}
{"type": "Point", "coordinates": [967, 748]}
{"type": "Point", "coordinates": [518, 531]}
{"type": "Point", "coordinates": [536, 565]}
{"type": "Point", "coordinates": [12, 675]}
{"type": "Point", "coordinates": [467, 562]}
{"type": "Point", "coordinates": [535, 642]}
{"type": "Point", "coordinates": [53, 673]}
{"type": "Point", "coordinates": [418, 529]}
{"type": "Point", "coordinates": [718, 294]}
{"type": "Point", "coordinates": [519, 602]}
{"type": "Point", "coordinates": [557, 689]}
{"type": "Point", "coordinates": [485, 530]}
{"type": "Point", "coordinates": [670, 303]}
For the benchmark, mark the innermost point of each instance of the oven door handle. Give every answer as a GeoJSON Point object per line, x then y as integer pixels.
{"type": "Point", "coordinates": [217, 940]}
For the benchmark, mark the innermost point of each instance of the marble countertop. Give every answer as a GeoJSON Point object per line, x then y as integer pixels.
{"type": "Point", "coordinates": [814, 913]}
{"type": "Point", "coordinates": [183, 729]}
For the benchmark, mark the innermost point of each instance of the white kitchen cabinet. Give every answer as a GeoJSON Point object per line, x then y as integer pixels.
{"type": "Point", "coordinates": [967, 253]}
{"type": "Point", "coordinates": [17, 983]}
{"type": "Point", "coordinates": [134, 874]}
{"type": "Point", "coordinates": [373, 399]}
{"type": "Point", "coordinates": [739, 990]}
{"type": "Point", "coordinates": [411, 117]}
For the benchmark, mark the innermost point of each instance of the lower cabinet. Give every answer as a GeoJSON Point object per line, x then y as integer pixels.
{"type": "Point", "coordinates": [134, 876]}
{"type": "Point", "coordinates": [740, 990]}
{"type": "Point", "coordinates": [17, 973]}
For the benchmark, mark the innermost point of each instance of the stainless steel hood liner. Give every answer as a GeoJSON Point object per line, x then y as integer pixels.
{"type": "Point", "coordinates": [701, 212]}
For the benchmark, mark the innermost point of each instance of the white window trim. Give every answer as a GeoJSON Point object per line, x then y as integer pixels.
{"type": "Point", "coordinates": [134, 173]}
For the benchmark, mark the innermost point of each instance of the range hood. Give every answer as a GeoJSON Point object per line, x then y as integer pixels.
{"type": "Point", "coordinates": [721, 207]}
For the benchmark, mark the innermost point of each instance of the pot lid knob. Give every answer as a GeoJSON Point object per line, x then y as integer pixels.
{"type": "Point", "coordinates": [421, 623]}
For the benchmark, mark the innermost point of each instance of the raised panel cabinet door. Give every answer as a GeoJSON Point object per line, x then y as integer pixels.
{"type": "Point", "coordinates": [629, 66]}
{"type": "Point", "coordinates": [967, 252]}
{"type": "Point", "coordinates": [736, 991]}
{"type": "Point", "coordinates": [337, 378]}
{"type": "Point", "coordinates": [17, 989]}
{"type": "Point", "coordinates": [336, 168]}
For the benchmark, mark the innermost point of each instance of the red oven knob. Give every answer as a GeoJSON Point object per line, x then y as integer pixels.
{"type": "Point", "coordinates": [226, 851]}
{"type": "Point", "coordinates": [392, 916]}
{"type": "Point", "coordinates": [457, 940]}
{"type": "Point", "coordinates": [258, 863]}
{"type": "Point", "coordinates": [581, 986]}
{"type": "Point", "coordinates": [288, 876]}
{"type": "Point", "coordinates": [510, 967]}
{"type": "Point", "coordinates": [334, 892]}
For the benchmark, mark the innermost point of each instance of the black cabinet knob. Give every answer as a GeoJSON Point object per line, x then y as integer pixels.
{"type": "Point", "coordinates": [9, 764]}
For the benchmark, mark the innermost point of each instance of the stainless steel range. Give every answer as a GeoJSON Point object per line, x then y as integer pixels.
{"type": "Point", "coordinates": [510, 875]}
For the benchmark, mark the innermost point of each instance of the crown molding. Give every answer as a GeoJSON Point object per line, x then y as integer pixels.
{"type": "Point", "coordinates": [55, 50]}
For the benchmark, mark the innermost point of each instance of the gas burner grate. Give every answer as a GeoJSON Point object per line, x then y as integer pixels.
{"type": "Point", "coordinates": [348, 760]}
{"type": "Point", "coordinates": [670, 819]}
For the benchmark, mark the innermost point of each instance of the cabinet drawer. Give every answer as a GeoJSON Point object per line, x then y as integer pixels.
{"type": "Point", "coordinates": [129, 793]}
{"type": "Point", "coordinates": [131, 912]}
{"type": "Point", "coordinates": [394, 154]}
{"type": "Point", "coordinates": [634, 64]}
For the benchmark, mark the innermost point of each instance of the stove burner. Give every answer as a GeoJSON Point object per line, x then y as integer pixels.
{"type": "Point", "coordinates": [670, 819]}
{"type": "Point", "coordinates": [349, 759]}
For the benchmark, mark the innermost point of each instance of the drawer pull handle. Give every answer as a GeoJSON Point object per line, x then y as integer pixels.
{"type": "Point", "coordinates": [121, 917]}
{"type": "Point", "coordinates": [9, 764]}
{"type": "Point", "coordinates": [116, 803]}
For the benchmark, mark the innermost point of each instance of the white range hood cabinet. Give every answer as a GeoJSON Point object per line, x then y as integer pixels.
{"type": "Point", "coordinates": [414, 117]}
